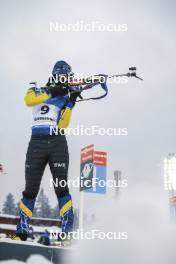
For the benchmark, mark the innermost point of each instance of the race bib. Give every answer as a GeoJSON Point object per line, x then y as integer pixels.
{"type": "Point", "coordinates": [45, 114]}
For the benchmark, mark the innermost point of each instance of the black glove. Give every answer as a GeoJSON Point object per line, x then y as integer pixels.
{"type": "Point", "coordinates": [74, 95]}
{"type": "Point", "coordinates": [58, 90]}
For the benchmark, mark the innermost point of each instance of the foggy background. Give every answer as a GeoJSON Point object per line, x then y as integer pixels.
{"type": "Point", "coordinates": [28, 53]}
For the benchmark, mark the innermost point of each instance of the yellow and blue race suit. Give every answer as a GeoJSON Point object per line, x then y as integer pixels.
{"type": "Point", "coordinates": [46, 149]}
{"type": "Point", "coordinates": [48, 111]}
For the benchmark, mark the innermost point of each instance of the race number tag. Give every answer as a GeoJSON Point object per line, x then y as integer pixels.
{"type": "Point", "coordinates": [45, 114]}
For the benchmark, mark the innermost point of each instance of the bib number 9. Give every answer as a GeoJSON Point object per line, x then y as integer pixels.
{"type": "Point", "coordinates": [44, 109]}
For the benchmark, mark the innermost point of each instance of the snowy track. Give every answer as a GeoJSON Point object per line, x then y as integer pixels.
{"type": "Point", "coordinates": [19, 250]}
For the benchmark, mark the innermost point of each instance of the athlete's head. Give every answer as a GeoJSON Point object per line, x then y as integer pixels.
{"type": "Point", "coordinates": [59, 78]}
{"type": "Point", "coordinates": [61, 68]}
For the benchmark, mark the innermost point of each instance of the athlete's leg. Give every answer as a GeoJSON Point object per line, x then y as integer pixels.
{"type": "Point", "coordinates": [36, 159]}
{"type": "Point", "coordinates": [58, 162]}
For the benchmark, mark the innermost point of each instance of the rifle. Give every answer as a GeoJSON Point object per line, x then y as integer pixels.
{"type": "Point", "coordinates": [96, 79]}
{"type": "Point", "coordinates": [79, 85]}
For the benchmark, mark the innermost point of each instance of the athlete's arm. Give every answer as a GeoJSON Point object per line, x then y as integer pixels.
{"type": "Point", "coordinates": [32, 98]}
{"type": "Point", "coordinates": [66, 115]}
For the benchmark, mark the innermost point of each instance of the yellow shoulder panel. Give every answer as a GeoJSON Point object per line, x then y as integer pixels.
{"type": "Point", "coordinates": [32, 99]}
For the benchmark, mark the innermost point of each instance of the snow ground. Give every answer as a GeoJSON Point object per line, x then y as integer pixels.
{"type": "Point", "coordinates": [38, 229]}
{"type": "Point", "coordinates": [36, 259]}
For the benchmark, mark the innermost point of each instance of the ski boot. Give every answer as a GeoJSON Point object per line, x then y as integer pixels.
{"type": "Point", "coordinates": [67, 218]}
{"type": "Point", "coordinates": [26, 210]}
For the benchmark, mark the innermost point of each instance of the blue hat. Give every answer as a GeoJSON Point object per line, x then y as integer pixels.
{"type": "Point", "coordinates": [61, 67]}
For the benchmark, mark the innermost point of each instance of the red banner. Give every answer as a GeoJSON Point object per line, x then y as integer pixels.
{"type": "Point", "coordinates": [87, 153]}
{"type": "Point", "coordinates": [100, 158]}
